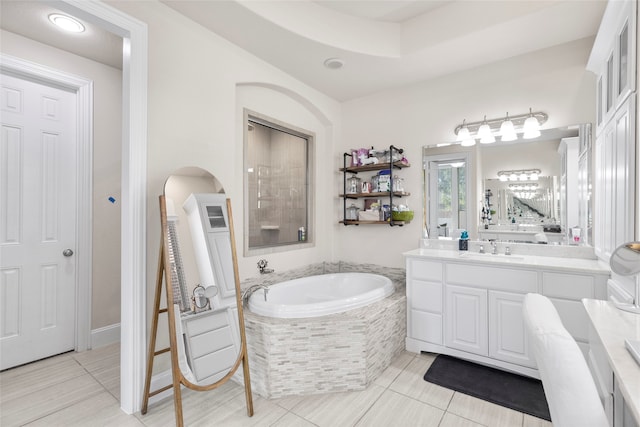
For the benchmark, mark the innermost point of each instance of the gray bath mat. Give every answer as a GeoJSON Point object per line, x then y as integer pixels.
{"type": "Point", "coordinates": [512, 391]}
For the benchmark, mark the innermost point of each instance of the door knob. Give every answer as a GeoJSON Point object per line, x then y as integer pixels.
{"type": "Point", "coordinates": [67, 252]}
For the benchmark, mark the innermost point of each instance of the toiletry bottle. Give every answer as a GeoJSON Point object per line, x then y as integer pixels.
{"type": "Point", "coordinates": [463, 243]}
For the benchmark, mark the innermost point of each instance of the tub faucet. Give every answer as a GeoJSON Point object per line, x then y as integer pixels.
{"type": "Point", "coordinates": [494, 248]}
{"type": "Point", "coordinates": [262, 266]}
{"type": "Point", "coordinates": [251, 289]}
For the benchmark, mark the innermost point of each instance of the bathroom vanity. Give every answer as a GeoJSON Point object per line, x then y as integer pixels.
{"type": "Point", "coordinates": [469, 305]}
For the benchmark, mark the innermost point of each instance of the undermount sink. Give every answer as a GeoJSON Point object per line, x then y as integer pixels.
{"type": "Point", "coordinates": [476, 255]}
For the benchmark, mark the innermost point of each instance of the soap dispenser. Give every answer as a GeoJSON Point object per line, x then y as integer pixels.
{"type": "Point", "coordinates": [463, 243]}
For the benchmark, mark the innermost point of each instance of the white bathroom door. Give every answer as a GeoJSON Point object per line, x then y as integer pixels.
{"type": "Point", "coordinates": [37, 221]}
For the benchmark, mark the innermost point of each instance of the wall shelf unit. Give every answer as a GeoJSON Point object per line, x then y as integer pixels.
{"type": "Point", "coordinates": [391, 165]}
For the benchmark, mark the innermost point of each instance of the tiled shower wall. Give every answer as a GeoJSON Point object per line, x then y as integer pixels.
{"type": "Point", "coordinates": [277, 186]}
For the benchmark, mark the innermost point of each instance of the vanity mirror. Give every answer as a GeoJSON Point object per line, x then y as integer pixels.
{"type": "Point", "coordinates": [202, 290]}
{"type": "Point", "coordinates": [529, 190]}
{"type": "Point", "coordinates": [625, 261]}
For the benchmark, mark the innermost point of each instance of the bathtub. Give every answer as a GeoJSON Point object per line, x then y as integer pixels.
{"type": "Point", "coordinates": [320, 295]}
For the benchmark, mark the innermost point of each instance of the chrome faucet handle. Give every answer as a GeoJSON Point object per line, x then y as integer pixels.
{"type": "Point", "coordinates": [507, 250]}
{"type": "Point", "coordinates": [481, 249]}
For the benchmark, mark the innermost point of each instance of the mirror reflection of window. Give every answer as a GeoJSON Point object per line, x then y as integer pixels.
{"type": "Point", "coordinates": [447, 194]}
{"type": "Point", "coordinates": [277, 160]}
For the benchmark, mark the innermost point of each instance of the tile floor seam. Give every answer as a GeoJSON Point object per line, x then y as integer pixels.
{"type": "Point", "coordinates": [369, 408]}
{"type": "Point", "coordinates": [468, 419]}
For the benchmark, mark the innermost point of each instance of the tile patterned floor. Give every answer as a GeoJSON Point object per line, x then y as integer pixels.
{"type": "Point", "coordinates": [82, 389]}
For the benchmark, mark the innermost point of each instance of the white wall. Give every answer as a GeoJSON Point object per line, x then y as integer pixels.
{"type": "Point", "coordinates": [552, 80]}
{"type": "Point", "coordinates": [197, 83]}
{"type": "Point", "coordinates": [106, 165]}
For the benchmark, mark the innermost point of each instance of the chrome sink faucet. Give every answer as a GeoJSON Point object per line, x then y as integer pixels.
{"type": "Point", "coordinates": [494, 248]}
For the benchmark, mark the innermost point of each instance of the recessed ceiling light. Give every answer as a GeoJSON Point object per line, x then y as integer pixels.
{"type": "Point", "coordinates": [67, 23]}
{"type": "Point", "coordinates": [334, 63]}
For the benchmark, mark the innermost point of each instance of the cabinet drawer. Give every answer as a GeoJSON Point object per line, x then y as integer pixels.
{"type": "Point", "coordinates": [494, 277]}
{"type": "Point", "coordinates": [569, 286]}
{"type": "Point", "coordinates": [205, 322]}
{"type": "Point", "coordinates": [210, 342]}
{"type": "Point", "coordinates": [213, 363]}
{"type": "Point", "coordinates": [426, 296]}
{"type": "Point", "coordinates": [426, 270]}
{"type": "Point", "coordinates": [426, 327]}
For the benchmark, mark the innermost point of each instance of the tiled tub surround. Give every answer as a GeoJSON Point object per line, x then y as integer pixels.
{"type": "Point", "coordinates": [339, 352]}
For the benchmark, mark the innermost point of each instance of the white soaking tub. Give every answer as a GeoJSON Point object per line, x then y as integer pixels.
{"type": "Point", "coordinates": [320, 295]}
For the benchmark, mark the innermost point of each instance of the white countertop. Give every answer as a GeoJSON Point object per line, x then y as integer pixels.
{"type": "Point", "coordinates": [592, 266]}
{"type": "Point", "coordinates": [613, 326]}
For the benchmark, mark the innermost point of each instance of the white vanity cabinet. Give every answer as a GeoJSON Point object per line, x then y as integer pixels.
{"type": "Point", "coordinates": [212, 343]}
{"type": "Point", "coordinates": [472, 308]}
{"type": "Point", "coordinates": [613, 61]}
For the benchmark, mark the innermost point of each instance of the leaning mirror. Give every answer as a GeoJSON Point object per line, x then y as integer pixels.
{"type": "Point", "coordinates": [199, 266]}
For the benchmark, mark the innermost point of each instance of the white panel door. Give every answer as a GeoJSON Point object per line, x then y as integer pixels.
{"type": "Point", "coordinates": [466, 323]}
{"type": "Point", "coordinates": [37, 221]}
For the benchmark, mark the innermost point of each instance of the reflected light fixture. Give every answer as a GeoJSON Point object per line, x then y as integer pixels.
{"type": "Point", "coordinates": [519, 175]}
{"type": "Point", "coordinates": [531, 127]}
{"type": "Point", "coordinates": [66, 22]}
{"type": "Point", "coordinates": [507, 128]}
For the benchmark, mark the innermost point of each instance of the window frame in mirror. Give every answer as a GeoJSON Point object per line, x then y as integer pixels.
{"type": "Point", "coordinates": [252, 118]}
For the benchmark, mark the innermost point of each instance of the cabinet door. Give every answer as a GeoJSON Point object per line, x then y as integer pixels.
{"type": "Point", "coordinates": [466, 319]}
{"type": "Point", "coordinates": [508, 339]}
{"type": "Point", "coordinates": [623, 159]}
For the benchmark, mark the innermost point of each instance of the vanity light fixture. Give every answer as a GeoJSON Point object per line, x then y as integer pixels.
{"type": "Point", "coordinates": [484, 133]}
{"type": "Point", "coordinates": [66, 22]}
{"type": "Point", "coordinates": [519, 175]}
{"type": "Point", "coordinates": [531, 127]}
{"type": "Point", "coordinates": [464, 136]}
{"type": "Point", "coordinates": [507, 128]}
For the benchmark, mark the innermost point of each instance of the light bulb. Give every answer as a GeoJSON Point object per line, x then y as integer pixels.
{"type": "Point", "coordinates": [503, 178]}
{"type": "Point", "coordinates": [463, 133]}
{"type": "Point", "coordinates": [523, 176]}
{"type": "Point", "coordinates": [513, 177]}
{"type": "Point", "coordinates": [531, 127]}
{"type": "Point", "coordinates": [484, 133]}
{"type": "Point", "coordinates": [469, 142]}
{"type": "Point", "coordinates": [533, 176]}
{"type": "Point", "coordinates": [507, 131]}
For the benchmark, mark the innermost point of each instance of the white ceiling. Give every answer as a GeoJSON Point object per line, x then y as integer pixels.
{"type": "Point", "coordinates": [30, 19]}
{"type": "Point", "coordinates": [384, 43]}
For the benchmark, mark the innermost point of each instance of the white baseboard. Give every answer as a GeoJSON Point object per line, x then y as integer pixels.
{"type": "Point", "coordinates": [104, 336]}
